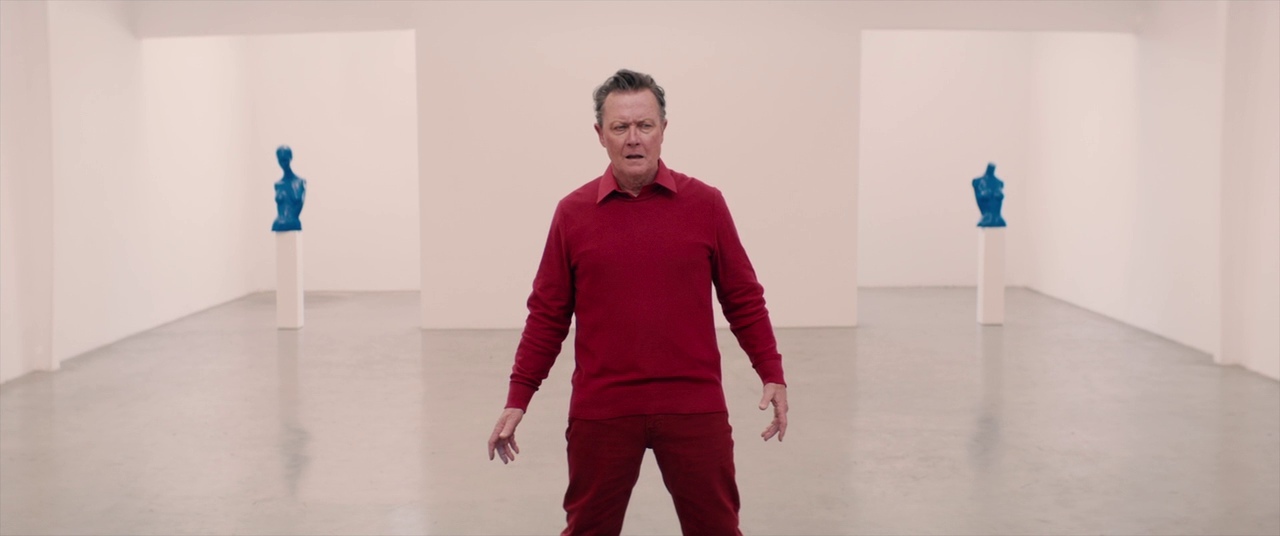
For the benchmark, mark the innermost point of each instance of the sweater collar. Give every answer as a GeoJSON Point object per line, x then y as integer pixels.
{"type": "Point", "coordinates": [609, 184]}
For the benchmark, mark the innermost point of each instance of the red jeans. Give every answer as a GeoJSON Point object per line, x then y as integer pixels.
{"type": "Point", "coordinates": [694, 453]}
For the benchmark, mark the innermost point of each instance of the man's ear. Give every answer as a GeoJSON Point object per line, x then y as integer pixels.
{"type": "Point", "coordinates": [599, 133]}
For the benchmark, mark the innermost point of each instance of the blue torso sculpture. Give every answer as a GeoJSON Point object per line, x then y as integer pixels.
{"type": "Point", "coordinates": [989, 192]}
{"type": "Point", "coordinates": [291, 193]}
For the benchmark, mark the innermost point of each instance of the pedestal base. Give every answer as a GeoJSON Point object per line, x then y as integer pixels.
{"type": "Point", "coordinates": [289, 279]}
{"type": "Point", "coordinates": [991, 275]}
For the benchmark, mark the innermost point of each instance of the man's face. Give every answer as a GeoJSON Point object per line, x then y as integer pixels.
{"type": "Point", "coordinates": [632, 134]}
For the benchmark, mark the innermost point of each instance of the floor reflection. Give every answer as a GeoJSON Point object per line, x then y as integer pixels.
{"type": "Point", "coordinates": [294, 439]}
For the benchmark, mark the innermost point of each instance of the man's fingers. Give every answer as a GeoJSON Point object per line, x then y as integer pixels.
{"type": "Point", "coordinates": [778, 427]}
{"type": "Point", "coordinates": [780, 417]}
{"type": "Point", "coordinates": [503, 440]}
{"type": "Point", "coordinates": [493, 443]}
{"type": "Point", "coordinates": [770, 431]}
{"type": "Point", "coordinates": [507, 455]}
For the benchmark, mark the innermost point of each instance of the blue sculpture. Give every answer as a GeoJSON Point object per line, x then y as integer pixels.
{"type": "Point", "coordinates": [990, 194]}
{"type": "Point", "coordinates": [291, 193]}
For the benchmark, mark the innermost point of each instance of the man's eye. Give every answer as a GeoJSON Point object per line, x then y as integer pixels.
{"type": "Point", "coordinates": [620, 129]}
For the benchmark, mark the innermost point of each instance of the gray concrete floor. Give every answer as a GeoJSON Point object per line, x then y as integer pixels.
{"type": "Point", "coordinates": [917, 422]}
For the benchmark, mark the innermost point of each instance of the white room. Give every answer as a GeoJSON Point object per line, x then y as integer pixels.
{"type": "Point", "coordinates": [142, 288]}
{"type": "Point", "coordinates": [1085, 132]}
{"type": "Point", "coordinates": [162, 182]}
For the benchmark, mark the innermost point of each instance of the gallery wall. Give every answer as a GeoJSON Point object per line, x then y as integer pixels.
{"type": "Point", "coordinates": [196, 128]}
{"type": "Point", "coordinates": [1084, 138]}
{"type": "Point", "coordinates": [188, 197]}
{"type": "Point", "coordinates": [1131, 228]}
{"type": "Point", "coordinates": [1251, 189]}
{"type": "Point", "coordinates": [96, 73]}
{"type": "Point", "coordinates": [763, 104]}
{"type": "Point", "coordinates": [147, 197]}
{"type": "Point", "coordinates": [148, 183]}
{"type": "Point", "coordinates": [26, 191]}
{"type": "Point", "coordinates": [936, 107]}
{"type": "Point", "coordinates": [1121, 189]}
{"type": "Point", "coordinates": [1180, 88]}
{"type": "Point", "coordinates": [506, 131]}
{"type": "Point", "coordinates": [469, 265]}
{"type": "Point", "coordinates": [347, 106]}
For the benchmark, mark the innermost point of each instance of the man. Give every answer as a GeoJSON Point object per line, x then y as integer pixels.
{"type": "Point", "coordinates": [635, 254]}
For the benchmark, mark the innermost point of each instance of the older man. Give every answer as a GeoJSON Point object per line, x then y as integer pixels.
{"type": "Point", "coordinates": [635, 254]}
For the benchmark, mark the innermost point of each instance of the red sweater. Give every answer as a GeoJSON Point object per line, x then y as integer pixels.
{"type": "Point", "coordinates": [638, 273]}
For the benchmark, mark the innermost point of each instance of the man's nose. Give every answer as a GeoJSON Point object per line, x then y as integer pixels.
{"type": "Point", "coordinates": [633, 136]}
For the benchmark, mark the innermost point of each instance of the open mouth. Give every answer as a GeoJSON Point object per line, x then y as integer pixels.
{"type": "Point", "coordinates": [635, 157]}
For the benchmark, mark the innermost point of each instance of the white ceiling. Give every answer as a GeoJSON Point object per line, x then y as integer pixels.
{"type": "Point", "coordinates": [171, 18]}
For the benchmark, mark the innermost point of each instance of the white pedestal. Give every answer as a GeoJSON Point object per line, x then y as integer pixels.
{"type": "Point", "coordinates": [289, 279]}
{"type": "Point", "coordinates": [991, 275]}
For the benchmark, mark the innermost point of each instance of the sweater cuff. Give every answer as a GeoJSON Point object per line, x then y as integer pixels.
{"type": "Point", "coordinates": [771, 371]}
{"type": "Point", "coordinates": [519, 395]}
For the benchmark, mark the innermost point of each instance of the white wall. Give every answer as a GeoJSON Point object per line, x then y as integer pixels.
{"type": "Point", "coordinates": [1135, 239]}
{"type": "Point", "coordinates": [96, 74]}
{"type": "Point", "coordinates": [1117, 136]}
{"type": "Point", "coordinates": [193, 214]}
{"type": "Point", "coordinates": [936, 107]}
{"type": "Point", "coordinates": [764, 103]}
{"type": "Point", "coordinates": [26, 191]}
{"type": "Point", "coordinates": [1180, 87]}
{"type": "Point", "coordinates": [155, 166]}
{"type": "Point", "coordinates": [506, 131]}
{"type": "Point", "coordinates": [1251, 189]}
{"type": "Point", "coordinates": [468, 45]}
{"type": "Point", "coordinates": [147, 186]}
{"type": "Point", "coordinates": [1084, 200]}
{"type": "Point", "coordinates": [347, 105]}
{"type": "Point", "coordinates": [1117, 228]}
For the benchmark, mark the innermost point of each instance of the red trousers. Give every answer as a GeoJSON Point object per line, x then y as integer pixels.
{"type": "Point", "coordinates": [694, 453]}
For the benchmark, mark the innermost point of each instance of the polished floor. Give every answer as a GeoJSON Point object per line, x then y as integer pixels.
{"type": "Point", "coordinates": [917, 422]}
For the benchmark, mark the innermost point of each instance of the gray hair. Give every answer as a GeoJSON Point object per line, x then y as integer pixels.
{"type": "Point", "coordinates": [626, 80]}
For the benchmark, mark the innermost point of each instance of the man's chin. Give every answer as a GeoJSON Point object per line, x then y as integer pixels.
{"type": "Point", "coordinates": [637, 168]}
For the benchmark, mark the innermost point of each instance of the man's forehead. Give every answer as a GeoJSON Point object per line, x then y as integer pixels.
{"type": "Point", "coordinates": [631, 106]}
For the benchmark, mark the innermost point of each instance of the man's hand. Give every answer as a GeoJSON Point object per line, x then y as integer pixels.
{"type": "Point", "coordinates": [777, 394]}
{"type": "Point", "coordinates": [503, 439]}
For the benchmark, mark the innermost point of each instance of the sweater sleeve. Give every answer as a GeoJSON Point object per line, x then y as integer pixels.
{"type": "Point", "coordinates": [742, 297]}
{"type": "Point", "coordinates": [550, 315]}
